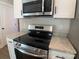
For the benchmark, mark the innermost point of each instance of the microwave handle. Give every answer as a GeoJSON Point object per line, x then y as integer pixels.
{"type": "Point", "coordinates": [25, 52]}
{"type": "Point", "coordinates": [43, 6]}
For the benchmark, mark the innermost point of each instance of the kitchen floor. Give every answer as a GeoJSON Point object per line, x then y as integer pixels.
{"type": "Point", "coordinates": [4, 53]}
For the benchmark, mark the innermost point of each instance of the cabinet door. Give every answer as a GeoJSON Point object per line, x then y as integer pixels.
{"type": "Point", "coordinates": [60, 55]}
{"type": "Point", "coordinates": [64, 8]}
{"type": "Point", "coordinates": [18, 9]}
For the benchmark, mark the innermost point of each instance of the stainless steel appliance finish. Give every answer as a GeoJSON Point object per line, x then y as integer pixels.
{"type": "Point", "coordinates": [33, 7]}
{"type": "Point", "coordinates": [31, 14]}
{"type": "Point", "coordinates": [34, 44]}
{"type": "Point", "coordinates": [48, 7]}
{"type": "Point", "coordinates": [41, 27]}
{"type": "Point", "coordinates": [37, 7]}
{"type": "Point", "coordinates": [29, 50]}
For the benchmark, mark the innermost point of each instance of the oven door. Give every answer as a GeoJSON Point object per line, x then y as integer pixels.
{"type": "Point", "coordinates": [33, 7]}
{"type": "Point", "coordinates": [23, 51]}
{"type": "Point", "coordinates": [20, 55]}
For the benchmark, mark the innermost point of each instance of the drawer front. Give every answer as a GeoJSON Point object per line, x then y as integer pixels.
{"type": "Point", "coordinates": [60, 55]}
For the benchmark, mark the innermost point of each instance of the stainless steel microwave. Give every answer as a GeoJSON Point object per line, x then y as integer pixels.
{"type": "Point", "coordinates": [37, 7]}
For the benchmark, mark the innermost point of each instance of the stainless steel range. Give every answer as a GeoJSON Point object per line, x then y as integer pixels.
{"type": "Point", "coordinates": [34, 44]}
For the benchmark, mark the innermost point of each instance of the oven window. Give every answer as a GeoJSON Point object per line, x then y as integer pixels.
{"type": "Point", "coordinates": [20, 55]}
{"type": "Point", "coordinates": [32, 6]}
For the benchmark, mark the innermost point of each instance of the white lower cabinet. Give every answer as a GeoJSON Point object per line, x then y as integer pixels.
{"type": "Point", "coordinates": [60, 55]}
{"type": "Point", "coordinates": [11, 48]}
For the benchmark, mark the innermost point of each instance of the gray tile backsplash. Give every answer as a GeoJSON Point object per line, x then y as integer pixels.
{"type": "Point", "coordinates": [61, 26]}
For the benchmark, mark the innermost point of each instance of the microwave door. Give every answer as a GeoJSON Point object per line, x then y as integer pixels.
{"type": "Point", "coordinates": [33, 7]}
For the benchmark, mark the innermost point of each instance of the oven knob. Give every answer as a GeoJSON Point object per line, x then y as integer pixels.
{"type": "Point", "coordinates": [16, 44]}
{"type": "Point", "coordinates": [50, 34]}
{"type": "Point", "coordinates": [19, 44]}
{"type": "Point", "coordinates": [38, 32]}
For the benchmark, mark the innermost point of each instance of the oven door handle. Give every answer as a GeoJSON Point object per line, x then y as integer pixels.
{"type": "Point", "coordinates": [24, 52]}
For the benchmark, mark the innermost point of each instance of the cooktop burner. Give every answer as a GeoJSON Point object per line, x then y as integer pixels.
{"type": "Point", "coordinates": [33, 41]}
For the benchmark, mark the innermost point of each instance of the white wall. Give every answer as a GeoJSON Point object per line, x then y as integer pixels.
{"type": "Point", "coordinates": [7, 17]}
{"type": "Point", "coordinates": [74, 31]}
{"type": "Point", "coordinates": [7, 1]}
{"type": "Point", "coordinates": [61, 25]}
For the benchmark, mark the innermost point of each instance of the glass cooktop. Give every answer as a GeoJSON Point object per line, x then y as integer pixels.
{"type": "Point", "coordinates": [33, 41]}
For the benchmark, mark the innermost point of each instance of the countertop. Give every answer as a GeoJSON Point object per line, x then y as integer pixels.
{"type": "Point", "coordinates": [15, 35]}
{"type": "Point", "coordinates": [61, 44]}
{"type": "Point", "coordinates": [57, 43]}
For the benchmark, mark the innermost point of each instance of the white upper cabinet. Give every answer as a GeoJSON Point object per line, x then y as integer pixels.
{"type": "Point", "coordinates": [18, 9]}
{"type": "Point", "coordinates": [64, 8]}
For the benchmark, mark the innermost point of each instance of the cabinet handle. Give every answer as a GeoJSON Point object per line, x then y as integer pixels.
{"type": "Point", "coordinates": [3, 28]}
{"type": "Point", "coordinates": [60, 57]}
{"type": "Point", "coordinates": [55, 9]}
